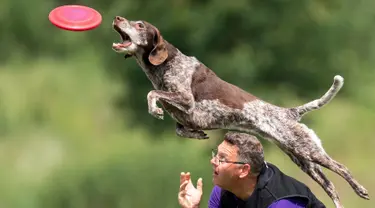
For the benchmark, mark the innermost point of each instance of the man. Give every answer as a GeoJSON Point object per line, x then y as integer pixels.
{"type": "Point", "coordinates": [243, 179]}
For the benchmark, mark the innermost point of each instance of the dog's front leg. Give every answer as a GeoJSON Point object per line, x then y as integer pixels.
{"type": "Point", "coordinates": [181, 100]}
{"type": "Point", "coordinates": [182, 131]}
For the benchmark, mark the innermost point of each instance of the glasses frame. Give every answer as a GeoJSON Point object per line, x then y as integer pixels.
{"type": "Point", "coordinates": [219, 161]}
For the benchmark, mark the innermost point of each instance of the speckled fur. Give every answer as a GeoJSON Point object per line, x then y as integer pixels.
{"type": "Point", "coordinates": [199, 100]}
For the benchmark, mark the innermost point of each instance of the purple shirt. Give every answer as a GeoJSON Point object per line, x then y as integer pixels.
{"type": "Point", "coordinates": [214, 201]}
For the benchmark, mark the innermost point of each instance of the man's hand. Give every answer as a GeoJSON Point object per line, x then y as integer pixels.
{"type": "Point", "coordinates": [189, 196]}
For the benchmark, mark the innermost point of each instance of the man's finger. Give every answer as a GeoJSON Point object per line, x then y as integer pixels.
{"type": "Point", "coordinates": [182, 194]}
{"type": "Point", "coordinates": [183, 185]}
{"type": "Point", "coordinates": [188, 178]}
{"type": "Point", "coordinates": [200, 185]}
{"type": "Point", "coordinates": [182, 177]}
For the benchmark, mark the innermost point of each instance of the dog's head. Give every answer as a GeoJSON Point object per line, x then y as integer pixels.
{"type": "Point", "coordinates": [140, 37]}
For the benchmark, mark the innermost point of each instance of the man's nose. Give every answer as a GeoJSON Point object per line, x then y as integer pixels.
{"type": "Point", "coordinates": [212, 161]}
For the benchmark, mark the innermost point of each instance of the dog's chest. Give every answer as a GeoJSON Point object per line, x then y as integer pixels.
{"type": "Point", "coordinates": [156, 76]}
{"type": "Point", "coordinates": [174, 75]}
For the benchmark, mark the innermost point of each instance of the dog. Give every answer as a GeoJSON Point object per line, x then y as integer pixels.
{"type": "Point", "coordinates": [197, 99]}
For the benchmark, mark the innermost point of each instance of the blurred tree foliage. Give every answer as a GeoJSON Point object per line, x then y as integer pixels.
{"type": "Point", "coordinates": [255, 44]}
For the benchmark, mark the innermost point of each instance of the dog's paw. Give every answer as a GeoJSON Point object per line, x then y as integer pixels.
{"type": "Point", "coordinates": [192, 134]}
{"type": "Point", "coordinates": [157, 113]}
{"type": "Point", "coordinates": [362, 192]}
{"type": "Point", "coordinates": [198, 134]}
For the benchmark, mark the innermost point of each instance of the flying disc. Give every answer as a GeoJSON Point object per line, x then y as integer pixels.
{"type": "Point", "coordinates": [75, 17]}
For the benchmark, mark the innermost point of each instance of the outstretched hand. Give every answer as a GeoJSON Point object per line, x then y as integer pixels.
{"type": "Point", "coordinates": [189, 196]}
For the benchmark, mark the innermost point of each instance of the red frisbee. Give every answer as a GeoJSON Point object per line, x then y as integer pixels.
{"type": "Point", "coordinates": [75, 17]}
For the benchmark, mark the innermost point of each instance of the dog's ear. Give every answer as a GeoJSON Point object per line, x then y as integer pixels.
{"type": "Point", "coordinates": [160, 52]}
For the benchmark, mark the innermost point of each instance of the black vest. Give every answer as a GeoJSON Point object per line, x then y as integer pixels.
{"type": "Point", "coordinates": [272, 185]}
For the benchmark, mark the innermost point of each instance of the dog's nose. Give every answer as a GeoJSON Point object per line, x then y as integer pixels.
{"type": "Point", "coordinates": [119, 19]}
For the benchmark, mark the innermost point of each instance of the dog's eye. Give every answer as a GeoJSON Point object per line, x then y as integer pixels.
{"type": "Point", "coordinates": [140, 25]}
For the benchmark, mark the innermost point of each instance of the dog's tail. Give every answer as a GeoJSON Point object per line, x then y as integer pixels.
{"type": "Point", "coordinates": [338, 82]}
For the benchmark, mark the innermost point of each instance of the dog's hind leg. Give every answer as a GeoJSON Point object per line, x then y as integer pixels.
{"type": "Point", "coordinates": [307, 145]}
{"type": "Point", "coordinates": [327, 185]}
{"type": "Point", "coordinates": [316, 173]}
{"type": "Point", "coordinates": [327, 162]}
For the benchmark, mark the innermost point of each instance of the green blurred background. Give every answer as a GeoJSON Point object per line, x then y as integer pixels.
{"type": "Point", "coordinates": [74, 127]}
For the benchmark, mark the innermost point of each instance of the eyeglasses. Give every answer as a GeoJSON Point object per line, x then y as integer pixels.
{"type": "Point", "coordinates": [220, 161]}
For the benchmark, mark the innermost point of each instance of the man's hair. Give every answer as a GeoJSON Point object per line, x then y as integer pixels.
{"type": "Point", "coordinates": [250, 150]}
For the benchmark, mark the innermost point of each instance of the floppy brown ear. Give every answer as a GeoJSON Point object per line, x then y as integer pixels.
{"type": "Point", "coordinates": [159, 53]}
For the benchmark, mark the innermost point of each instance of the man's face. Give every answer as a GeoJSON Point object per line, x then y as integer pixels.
{"type": "Point", "coordinates": [226, 174]}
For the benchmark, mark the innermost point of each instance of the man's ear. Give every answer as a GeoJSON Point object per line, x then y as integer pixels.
{"type": "Point", "coordinates": [245, 171]}
{"type": "Point", "coordinates": [159, 53]}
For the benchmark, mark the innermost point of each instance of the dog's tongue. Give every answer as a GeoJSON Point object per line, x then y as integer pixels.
{"type": "Point", "coordinates": [123, 44]}
{"type": "Point", "coordinates": [126, 43]}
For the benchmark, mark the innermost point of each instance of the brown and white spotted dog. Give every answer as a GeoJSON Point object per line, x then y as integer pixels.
{"type": "Point", "coordinates": [197, 99]}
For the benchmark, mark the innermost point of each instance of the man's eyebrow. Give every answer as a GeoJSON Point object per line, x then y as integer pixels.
{"type": "Point", "coordinates": [222, 154]}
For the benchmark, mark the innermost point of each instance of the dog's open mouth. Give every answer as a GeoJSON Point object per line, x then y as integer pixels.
{"type": "Point", "coordinates": [125, 39]}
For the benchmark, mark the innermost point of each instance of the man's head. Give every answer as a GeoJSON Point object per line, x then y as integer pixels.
{"type": "Point", "coordinates": [140, 37]}
{"type": "Point", "coordinates": [240, 156]}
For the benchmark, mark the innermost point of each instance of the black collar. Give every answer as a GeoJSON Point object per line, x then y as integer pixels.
{"type": "Point", "coordinates": [265, 175]}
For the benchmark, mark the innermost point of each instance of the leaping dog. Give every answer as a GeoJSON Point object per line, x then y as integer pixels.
{"type": "Point", "coordinates": [197, 99]}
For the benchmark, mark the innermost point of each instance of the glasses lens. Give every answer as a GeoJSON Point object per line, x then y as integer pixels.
{"type": "Point", "coordinates": [214, 157]}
